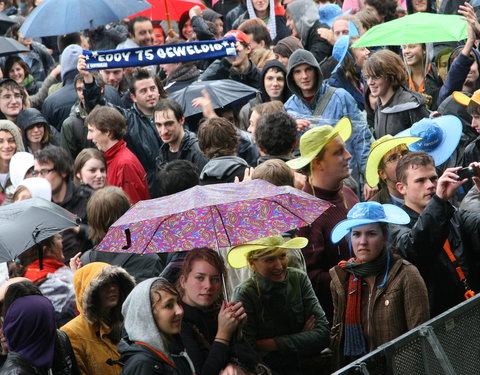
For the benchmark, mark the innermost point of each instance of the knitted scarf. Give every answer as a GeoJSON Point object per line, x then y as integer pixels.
{"type": "Point", "coordinates": [354, 345]}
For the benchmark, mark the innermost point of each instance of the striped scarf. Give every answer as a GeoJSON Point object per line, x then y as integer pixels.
{"type": "Point", "coordinates": [355, 345]}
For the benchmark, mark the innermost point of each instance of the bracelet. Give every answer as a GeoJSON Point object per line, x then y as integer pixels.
{"type": "Point", "coordinates": [220, 339]}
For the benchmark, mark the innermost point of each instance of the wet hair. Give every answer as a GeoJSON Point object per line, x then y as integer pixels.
{"type": "Point", "coordinates": [11, 85]}
{"type": "Point", "coordinates": [63, 41]}
{"type": "Point", "coordinates": [276, 133]}
{"type": "Point", "coordinates": [133, 21]}
{"type": "Point", "coordinates": [349, 67]}
{"type": "Point", "coordinates": [201, 253]}
{"type": "Point", "coordinates": [85, 155]}
{"type": "Point", "coordinates": [140, 74]}
{"type": "Point", "coordinates": [108, 119]}
{"type": "Point", "coordinates": [385, 8]}
{"type": "Point", "coordinates": [159, 285]}
{"type": "Point", "coordinates": [176, 176]}
{"type": "Point", "coordinates": [11, 61]}
{"type": "Point", "coordinates": [169, 104]}
{"type": "Point", "coordinates": [181, 23]}
{"type": "Point", "coordinates": [275, 171]}
{"type": "Point", "coordinates": [259, 33]}
{"type": "Point", "coordinates": [18, 290]}
{"type": "Point", "coordinates": [96, 75]}
{"type": "Point", "coordinates": [217, 137]}
{"type": "Point", "coordinates": [260, 56]}
{"type": "Point", "coordinates": [12, 31]}
{"type": "Point", "coordinates": [104, 207]}
{"type": "Point", "coordinates": [388, 64]}
{"type": "Point", "coordinates": [19, 190]}
{"type": "Point", "coordinates": [367, 19]}
{"type": "Point", "coordinates": [473, 108]}
{"type": "Point", "coordinates": [412, 159]}
{"type": "Point", "coordinates": [58, 156]}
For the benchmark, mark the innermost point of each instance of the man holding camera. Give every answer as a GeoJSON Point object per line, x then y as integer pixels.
{"type": "Point", "coordinates": [441, 241]}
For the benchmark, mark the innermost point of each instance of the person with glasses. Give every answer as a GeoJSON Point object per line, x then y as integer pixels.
{"type": "Point", "coordinates": [54, 164]}
{"type": "Point", "coordinates": [397, 107]}
{"type": "Point", "coordinates": [11, 99]}
{"type": "Point", "coordinates": [381, 164]}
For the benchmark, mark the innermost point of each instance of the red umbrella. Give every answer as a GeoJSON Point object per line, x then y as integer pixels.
{"type": "Point", "coordinates": [168, 10]}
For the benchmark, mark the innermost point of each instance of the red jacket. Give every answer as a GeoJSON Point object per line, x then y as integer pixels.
{"type": "Point", "coordinates": [124, 170]}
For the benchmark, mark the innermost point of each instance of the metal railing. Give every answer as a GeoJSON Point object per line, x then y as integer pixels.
{"type": "Point", "coordinates": [448, 344]}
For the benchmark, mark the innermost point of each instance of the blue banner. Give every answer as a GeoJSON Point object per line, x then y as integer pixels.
{"type": "Point", "coordinates": [165, 54]}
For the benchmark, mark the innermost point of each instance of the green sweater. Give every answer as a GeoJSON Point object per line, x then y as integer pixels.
{"type": "Point", "coordinates": [279, 310]}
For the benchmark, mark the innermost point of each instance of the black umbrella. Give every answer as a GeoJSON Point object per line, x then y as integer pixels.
{"type": "Point", "coordinates": [9, 46]}
{"type": "Point", "coordinates": [222, 93]}
{"type": "Point", "coordinates": [5, 23]}
{"type": "Point", "coordinates": [26, 223]}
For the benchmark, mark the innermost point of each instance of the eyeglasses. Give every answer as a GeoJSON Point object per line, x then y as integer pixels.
{"type": "Point", "coordinates": [8, 97]}
{"type": "Point", "coordinates": [42, 172]}
{"type": "Point", "coordinates": [366, 77]}
{"type": "Point", "coordinates": [397, 156]}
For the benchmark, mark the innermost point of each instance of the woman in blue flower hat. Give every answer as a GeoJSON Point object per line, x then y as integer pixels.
{"type": "Point", "coordinates": [377, 296]}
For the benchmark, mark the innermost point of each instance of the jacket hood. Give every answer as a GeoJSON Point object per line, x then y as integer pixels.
{"type": "Point", "coordinates": [274, 64]}
{"type": "Point", "coordinates": [138, 317]}
{"type": "Point", "coordinates": [211, 15]}
{"type": "Point", "coordinates": [222, 167]}
{"type": "Point", "coordinates": [301, 56]}
{"type": "Point", "coordinates": [20, 163]}
{"type": "Point", "coordinates": [29, 117]}
{"type": "Point", "coordinates": [475, 52]}
{"type": "Point", "coordinates": [89, 279]}
{"type": "Point", "coordinates": [403, 100]}
{"type": "Point", "coordinates": [7, 125]}
{"type": "Point", "coordinates": [304, 14]}
{"type": "Point", "coordinates": [427, 60]}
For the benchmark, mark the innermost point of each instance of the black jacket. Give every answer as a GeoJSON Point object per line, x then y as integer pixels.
{"type": "Point", "coordinates": [75, 201]}
{"type": "Point", "coordinates": [189, 150]}
{"type": "Point", "coordinates": [138, 359]}
{"type": "Point", "coordinates": [314, 43]}
{"type": "Point", "coordinates": [222, 69]}
{"type": "Point", "coordinates": [223, 169]}
{"type": "Point", "coordinates": [56, 108]}
{"type": "Point", "coordinates": [421, 243]}
{"type": "Point", "coordinates": [142, 137]}
{"type": "Point", "coordinates": [64, 362]}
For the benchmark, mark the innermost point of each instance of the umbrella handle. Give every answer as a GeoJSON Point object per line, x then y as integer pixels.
{"type": "Point", "coordinates": [171, 33]}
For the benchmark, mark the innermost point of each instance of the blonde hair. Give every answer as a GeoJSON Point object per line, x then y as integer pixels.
{"type": "Point", "coordinates": [260, 56]}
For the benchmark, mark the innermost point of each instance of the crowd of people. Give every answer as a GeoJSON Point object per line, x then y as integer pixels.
{"type": "Point", "coordinates": [387, 135]}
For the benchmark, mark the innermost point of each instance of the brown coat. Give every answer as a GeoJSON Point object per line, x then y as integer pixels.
{"type": "Point", "coordinates": [400, 305]}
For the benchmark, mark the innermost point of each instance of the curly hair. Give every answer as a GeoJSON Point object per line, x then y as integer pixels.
{"type": "Point", "coordinates": [386, 8]}
{"type": "Point", "coordinates": [217, 137]}
{"type": "Point", "coordinates": [276, 133]}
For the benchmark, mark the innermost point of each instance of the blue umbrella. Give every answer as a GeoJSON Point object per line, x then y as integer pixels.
{"type": "Point", "coordinates": [58, 17]}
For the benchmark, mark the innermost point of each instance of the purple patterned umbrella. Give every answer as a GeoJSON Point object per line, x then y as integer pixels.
{"type": "Point", "coordinates": [211, 216]}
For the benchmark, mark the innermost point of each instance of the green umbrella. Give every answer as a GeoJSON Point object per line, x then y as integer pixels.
{"type": "Point", "coordinates": [415, 28]}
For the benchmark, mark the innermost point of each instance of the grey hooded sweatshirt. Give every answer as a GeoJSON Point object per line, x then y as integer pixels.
{"type": "Point", "coordinates": [140, 326]}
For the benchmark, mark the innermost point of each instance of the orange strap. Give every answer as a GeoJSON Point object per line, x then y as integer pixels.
{"type": "Point", "coordinates": [421, 88]}
{"type": "Point", "coordinates": [468, 292]}
{"type": "Point", "coordinates": [160, 354]}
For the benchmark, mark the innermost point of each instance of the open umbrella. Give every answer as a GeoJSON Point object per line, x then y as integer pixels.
{"type": "Point", "coordinates": [5, 23]}
{"type": "Point", "coordinates": [26, 223]}
{"type": "Point", "coordinates": [212, 216]}
{"type": "Point", "coordinates": [222, 93]}
{"type": "Point", "coordinates": [415, 28]}
{"type": "Point", "coordinates": [58, 17]}
{"type": "Point", "coordinates": [172, 10]}
{"type": "Point", "coordinates": [9, 46]}
{"type": "Point", "coordinates": [168, 10]}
